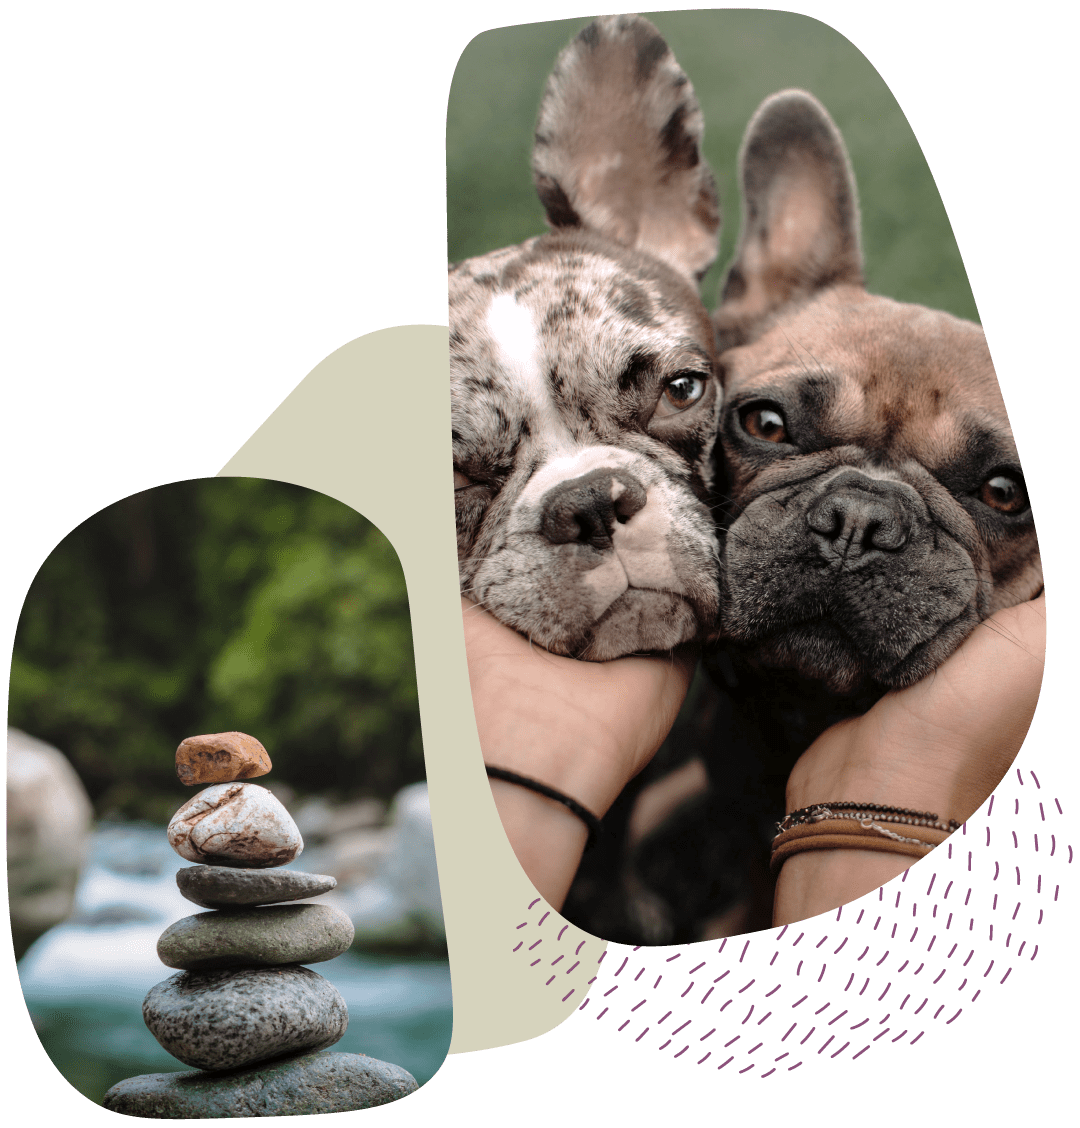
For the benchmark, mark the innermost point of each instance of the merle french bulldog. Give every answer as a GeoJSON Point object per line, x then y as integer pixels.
{"type": "Point", "coordinates": [584, 390]}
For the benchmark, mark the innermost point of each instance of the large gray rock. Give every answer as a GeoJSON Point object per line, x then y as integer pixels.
{"type": "Point", "coordinates": [48, 826]}
{"type": "Point", "coordinates": [231, 1019]}
{"type": "Point", "coordinates": [314, 1083]}
{"type": "Point", "coordinates": [281, 934]}
{"type": "Point", "coordinates": [219, 887]}
{"type": "Point", "coordinates": [401, 906]}
{"type": "Point", "coordinates": [235, 824]}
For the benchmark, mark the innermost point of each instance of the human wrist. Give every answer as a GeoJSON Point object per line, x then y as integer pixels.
{"type": "Point", "coordinates": [940, 797]}
{"type": "Point", "coordinates": [944, 743]}
{"type": "Point", "coordinates": [818, 881]}
{"type": "Point", "coordinates": [582, 814]}
{"type": "Point", "coordinates": [589, 774]}
{"type": "Point", "coordinates": [861, 763]}
{"type": "Point", "coordinates": [547, 839]}
{"type": "Point", "coordinates": [583, 728]}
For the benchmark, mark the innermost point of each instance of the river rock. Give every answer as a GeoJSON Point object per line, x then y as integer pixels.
{"type": "Point", "coordinates": [221, 887]}
{"type": "Point", "coordinates": [235, 824]}
{"type": "Point", "coordinates": [231, 1019]}
{"type": "Point", "coordinates": [402, 907]}
{"type": "Point", "coordinates": [314, 1083]}
{"type": "Point", "coordinates": [220, 757]}
{"type": "Point", "coordinates": [283, 934]}
{"type": "Point", "coordinates": [48, 827]}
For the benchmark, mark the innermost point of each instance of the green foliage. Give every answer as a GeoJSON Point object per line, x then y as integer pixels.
{"type": "Point", "coordinates": [735, 59]}
{"type": "Point", "coordinates": [219, 604]}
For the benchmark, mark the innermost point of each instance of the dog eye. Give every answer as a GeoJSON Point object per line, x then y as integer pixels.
{"type": "Point", "coordinates": [461, 482]}
{"type": "Point", "coordinates": [764, 421]}
{"type": "Point", "coordinates": [680, 392]}
{"type": "Point", "coordinates": [1004, 492]}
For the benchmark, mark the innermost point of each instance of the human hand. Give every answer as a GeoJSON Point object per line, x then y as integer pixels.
{"type": "Point", "coordinates": [941, 745]}
{"type": "Point", "coordinates": [583, 728]}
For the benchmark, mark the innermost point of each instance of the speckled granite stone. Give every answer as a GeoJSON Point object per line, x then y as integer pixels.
{"type": "Point", "coordinates": [231, 1019]}
{"type": "Point", "coordinates": [222, 887]}
{"type": "Point", "coordinates": [297, 1086]}
{"type": "Point", "coordinates": [281, 934]}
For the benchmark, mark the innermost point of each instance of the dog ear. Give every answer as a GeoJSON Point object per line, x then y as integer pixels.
{"type": "Point", "coordinates": [800, 228]}
{"type": "Point", "coordinates": [618, 146]}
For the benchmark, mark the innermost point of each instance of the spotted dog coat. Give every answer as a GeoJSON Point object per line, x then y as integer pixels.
{"type": "Point", "coordinates": [584, 393]}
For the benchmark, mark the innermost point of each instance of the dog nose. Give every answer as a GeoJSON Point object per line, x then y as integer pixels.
{"type": "Point", "coordinates": [858, 515]}
{"type": "Point", "coordinates": [585, 510]}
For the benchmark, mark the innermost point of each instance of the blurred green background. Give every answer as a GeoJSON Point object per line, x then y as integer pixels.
{"type": "Point", "coordinates": [734, 59]}
{"type": "Point", "coordinates": [213, 605]}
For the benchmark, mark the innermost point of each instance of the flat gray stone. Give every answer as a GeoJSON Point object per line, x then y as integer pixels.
{"type": "Point", "coordinates": [311, 1084]}
{"type": "Point", "coordinates": [267, 937]}
{"type": "Point", "coordinates": [232, 1019]}
{"type": "Point", "coordinates": [220, 887]}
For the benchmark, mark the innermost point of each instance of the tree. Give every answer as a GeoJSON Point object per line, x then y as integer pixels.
{"type": "Point", "coordinates": [218, 604]}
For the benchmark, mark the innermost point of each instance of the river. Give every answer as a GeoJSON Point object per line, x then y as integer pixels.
{"type": "Point", "coordinates": [85, 980]}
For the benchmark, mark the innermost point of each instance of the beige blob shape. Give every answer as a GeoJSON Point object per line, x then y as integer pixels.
{"type": "Point", "coordinates": [235, 824]}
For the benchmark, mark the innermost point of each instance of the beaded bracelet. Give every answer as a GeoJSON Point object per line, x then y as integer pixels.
{"type": "Point", "coordinates": [592, 823]}
{"type": "Point", "coordinates": [819, 811]}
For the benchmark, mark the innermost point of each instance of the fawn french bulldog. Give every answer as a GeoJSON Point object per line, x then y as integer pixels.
{"type": "Point", "coordinates": [876, 508]}
{"type": "Point", "coordinates": [875, 514]}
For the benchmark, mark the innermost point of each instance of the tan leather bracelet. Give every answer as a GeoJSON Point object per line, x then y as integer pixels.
{"type": "Point", "coordinates": [854, 834]}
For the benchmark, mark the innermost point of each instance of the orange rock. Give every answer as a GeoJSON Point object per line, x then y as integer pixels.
{"type": "Point", "coordinates": [220, 757]}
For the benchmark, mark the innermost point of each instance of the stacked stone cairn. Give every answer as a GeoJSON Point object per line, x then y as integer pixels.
{"type": "Point", "coordinates": [243, 1011]}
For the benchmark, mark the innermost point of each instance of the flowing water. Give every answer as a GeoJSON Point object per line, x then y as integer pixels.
{"type": "Point", "coordinates": [84, 980]}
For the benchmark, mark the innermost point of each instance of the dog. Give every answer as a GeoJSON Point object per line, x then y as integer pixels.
{"type": "Point", "coordinates": [583, 369]}
{"type": "Point", "coordinates": [876, 508]}
{"type": "Point", "coordinates": [867, 495]}
{"type": "Point", "coordinates": [875, 511]}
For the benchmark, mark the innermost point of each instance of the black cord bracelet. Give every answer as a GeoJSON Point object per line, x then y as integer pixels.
{"type": "Point", "coordinates": [592, 823]}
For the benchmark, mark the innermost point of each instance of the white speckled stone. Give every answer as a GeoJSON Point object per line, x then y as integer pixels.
{"type": "Point", "coordinates": [235, 824]}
